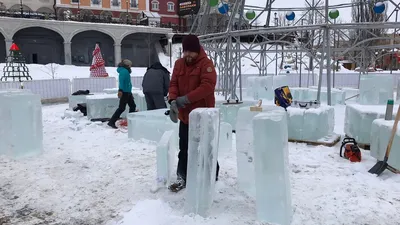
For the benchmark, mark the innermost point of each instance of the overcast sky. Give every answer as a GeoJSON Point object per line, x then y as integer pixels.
{"type": "Point", "coordinates": [345, 13]}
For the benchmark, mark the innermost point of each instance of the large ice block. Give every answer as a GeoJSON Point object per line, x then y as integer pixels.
{"type": "Point", "coordinates": [300, 94]}
{"type": "Point", "coordinates": [225, 137]}
{"type": "Point", "coordinates": [244, 148]}
{"type": "Point", "coordinates": [21, 130]}
{"type": "Point", "coordinates": [260, 87]}
{"type": "Point", "coordinates": [280, 81]}
{"type": "Point", "coordinates": [103, 106]}
{"type": "Point", "coordinates": [381, 130]}
{"type": "Point", "coordinates": [310, 124]}
{"type": "Point", "coordinates": [74, 100]}
{"type": "Point", "coordinates": [273, 197]}
{"type": "Point", "coordinates": [166, 149]}
{"type": "Point", "coordinates": [358, 120]}
{"type": "Point", "coordinates": [351, 93]}
{"type": "Point", "coordinates": [149, 125]}
{"type": "Point", "coordinates": [140, 100]}
{"type": "Point", "coordinates": [337, 96]}
{"type": "Point", "coordinates": [376, 89]}
{"type": "Point", "coordinates": [229, 112]}
{"type": "Point", "coordinates": [202, 160]}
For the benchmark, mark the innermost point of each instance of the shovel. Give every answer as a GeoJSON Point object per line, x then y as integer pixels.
{"type": "Point", "coordinates": [383, 165]}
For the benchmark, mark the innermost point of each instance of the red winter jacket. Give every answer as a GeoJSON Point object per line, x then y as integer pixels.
{"type": "Point", "coordinates": [196, 81]}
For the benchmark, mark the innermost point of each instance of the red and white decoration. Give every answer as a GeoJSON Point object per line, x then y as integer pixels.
{"type": "Point", "coordinates": [97, 69]}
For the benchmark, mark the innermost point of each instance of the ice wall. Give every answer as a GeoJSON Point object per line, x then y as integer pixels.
{"type": "Point", "coordinates": [376, 89]}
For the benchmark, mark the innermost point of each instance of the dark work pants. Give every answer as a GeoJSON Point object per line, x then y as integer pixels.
{"type": "Point", "coordinates": [155, 101]}
{"type": "Point", "coordinates": [126, 98]}
{"type": "Point", "coordinates": [183, 151]}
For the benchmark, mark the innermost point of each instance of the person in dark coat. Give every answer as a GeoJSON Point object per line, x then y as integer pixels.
{"type": "Point", "coordinates": [155, 86]}
{"type": "Point", "coordinates": [124, 92]}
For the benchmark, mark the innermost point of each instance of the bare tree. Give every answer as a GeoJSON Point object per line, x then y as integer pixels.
{"type": "Point", "coordinates": [51, 70]}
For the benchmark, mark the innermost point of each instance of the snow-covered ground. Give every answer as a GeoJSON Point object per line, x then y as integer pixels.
{"type": "Point", "coordinates": [90, 174]}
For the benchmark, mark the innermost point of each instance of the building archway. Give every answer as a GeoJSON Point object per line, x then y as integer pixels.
{"type": "Point", "coordinates": [17, 8]}
{"type": "Point", "coordinates": [40, 45]}
{"type": "Point", "coordinates": [45, 10]}
{"type": "Point", "coordinates": [141, 48]}
{"type": "Point", "coordinates": [3, 50]}
{"type": "Point", "coordinates": [82, 46]}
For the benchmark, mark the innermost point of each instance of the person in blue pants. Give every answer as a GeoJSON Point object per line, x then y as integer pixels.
{"type": "Point", "coordinates": [124, 93]}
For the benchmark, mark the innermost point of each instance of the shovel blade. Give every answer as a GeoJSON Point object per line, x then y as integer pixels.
{"type": "Point", "coordinates": [378, 168]}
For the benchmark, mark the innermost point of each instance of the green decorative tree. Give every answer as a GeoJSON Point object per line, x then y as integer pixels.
{"type": "Point", "coordinates": [15, 68]}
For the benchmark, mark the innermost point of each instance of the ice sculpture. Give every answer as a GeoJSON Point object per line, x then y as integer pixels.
{"type": "Point", "coordinates": [380, 134]}
{"type": "Point", "coordinates": [376, 89]}
{"type": "Point", "coordinates": [103, 106]}
{"type": "Point", "coordinates": [225, 137]}
{"type": "Point", "coordinates": [202, 160]}
{"type": "Point", "coordinates": [166, 150]}
{"type": "Point", "coordinates": [273, 197]}
{"type": "Point", "coordinates": [310, 124]}
{"type": "Point", "coordinates": [358, 120]}
{"type": "Point", "coordinates": [21, 130]}
{"type": "Point", "coordinates": [244, 148]}
{"type": "Point", "coordinates": [229, 112]}
{"type": "Point", "coordinates": [149, 125]}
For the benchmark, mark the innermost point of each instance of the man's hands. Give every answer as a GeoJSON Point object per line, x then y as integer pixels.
{"type": "Point", "coordinates": [119, 94]}
{"type": "Point", "coordinates": [173, 112]}
{"type": "Point", "coordinates": [182, 101]}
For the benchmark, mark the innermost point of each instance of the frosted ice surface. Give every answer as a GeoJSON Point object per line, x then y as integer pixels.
{"type": "Point", "coordinates": [74, 100]}
{"type": "Point", "coordinates": [260, 87]}
{"type": "Point", "coordinates": [225, 137]}
{"type": "Point", "coordinates": [358, 120]}
{"type": "Point", "coordinates": [202, 160]}
{"type": "Point", "coordinates": [103, 106]}
{"type": "Point", "coordinates": [111, 90]}
{"type": "Point", "coordinates": [300, 94]}
{"type": "Point", "coordinates": [149, 125]}
{"type": "Point", "coordinates": [244, 148]}
{"type": "Point", "coordinates": [310, 124]}
{"type": "Point", "coordinates": [140, 100]}
{"type": "Point", "coordinates": [21, 115]}
{"type": "Point", "coordinates": [376, 89]}
{"type": "Point", "coordinates": [280, 81]}
{"type": "Point", "coordinates": [351, 92]}
{"type": "Point", "coordinates": [229, 112]}
{"type": "Point", "coordinates": [381, 130]}
{"type": "Point", "coordinates": [273, 195]}
{"type": "Point", "coordinates": [310, 94]}
{"type": "Point", "coordinates": [166, 149]}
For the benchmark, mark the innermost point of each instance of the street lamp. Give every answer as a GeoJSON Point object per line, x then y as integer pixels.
{"type": "Point", "coordinates": [22, 8]}
{"type": "Point", "coordinates": [79, 9]}
{"type": "Point", "coordinates": [127, 11]}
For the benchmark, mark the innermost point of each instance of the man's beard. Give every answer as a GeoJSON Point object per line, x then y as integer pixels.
{"type": "Point", "coordinates": [189, 60]}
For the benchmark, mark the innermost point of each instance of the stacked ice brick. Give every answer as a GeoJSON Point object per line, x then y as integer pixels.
{"type": "Point", "coordinates": [21, 115]}
{"type": "Point", "coordinates": [310, 94]}
{"type": "Point", "coordinates": [375, 91]}
{"type": "Point", "coordinates": [262, 87]}
{"type": "Point", "coordinates": [311, 124]}
{"type": "Point", "coordinates": [102, 106]}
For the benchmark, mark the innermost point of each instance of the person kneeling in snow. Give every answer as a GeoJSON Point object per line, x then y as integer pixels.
{"type": "Point", "coordinates": [192, 86]}
{"type": "Point", "coordinates": [125, 91]}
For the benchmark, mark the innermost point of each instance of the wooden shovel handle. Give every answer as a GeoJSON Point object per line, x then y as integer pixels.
{"type": "Point", "coordinates": [394, 130]}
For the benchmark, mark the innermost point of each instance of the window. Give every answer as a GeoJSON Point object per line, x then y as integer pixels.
{"type": "Point", "coordinates": [115, 3]}
{"type": "Point", "coordinates": [75, 1]}
{"type": "Point", "coordinates": [96, 2]}
{"type": "Point", "coordinates": [155, 5]}
{"type": "Point", "coordinates": [134, 4]}
{"type": "Point", "coordinates": [171, 7]}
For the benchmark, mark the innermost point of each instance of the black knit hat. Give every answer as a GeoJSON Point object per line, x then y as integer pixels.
{"type": "Point", "coordinates": [191, 43]}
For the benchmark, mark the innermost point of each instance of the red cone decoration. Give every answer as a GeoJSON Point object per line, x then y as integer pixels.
{"type": "Point", "coordinates": [98, 69]}
{"type": "Point", "coordinates": [14, 47]}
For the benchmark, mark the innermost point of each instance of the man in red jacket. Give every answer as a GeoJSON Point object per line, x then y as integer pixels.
{"type": "Point", "coordinates": [192, 86]}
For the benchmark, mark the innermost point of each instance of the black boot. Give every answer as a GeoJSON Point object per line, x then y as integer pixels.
{"type": "Point", "coordinates": [112, 124]}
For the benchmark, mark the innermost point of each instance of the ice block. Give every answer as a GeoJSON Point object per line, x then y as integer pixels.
{"type": "Point", "coordinates": [74, 100]}
{"type": "Point", "coordinates": [21, 115]}
{"type": "Point", "coordinates": [244, 148]}
{"type": "Point", "coordinates": [300, 94]}
{"type": "Point", "coordinates": [358, 120]}
{"type": "Point", "coordinates": [140, 100]}
{"type": "Point", "coordinates": [225, 137]}
{"type": "Point", "coordinates": [149, 125]}
{"type": "Point", "coordinates": [376, 89]}
{"type": "Point", "coordinates": [310, 124]}
{"type": "Point", "coordinates": [273, 197]}
{"type": "Point", "coordinates": [103, 106]}
{"type": "Point", "coordinates": [166, 149]}
{"type": "Point", "coordinates": [229, 112]}
{"type": "Point", "coordinates": [380, 134]}
{"type": "Point", "coordinates": [260, 87]}
{"type": "Point", "coordinates": [202, 160]}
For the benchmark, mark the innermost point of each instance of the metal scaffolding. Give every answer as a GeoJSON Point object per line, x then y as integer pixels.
{"type": "Point", "coordinates": [231, 37]}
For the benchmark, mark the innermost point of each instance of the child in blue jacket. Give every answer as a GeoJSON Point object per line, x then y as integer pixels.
{"type": "Point", "coordinates": [125, 91]}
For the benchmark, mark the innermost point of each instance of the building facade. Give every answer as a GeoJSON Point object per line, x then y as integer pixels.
{"type": "Point", "coordinates": [167, 9]}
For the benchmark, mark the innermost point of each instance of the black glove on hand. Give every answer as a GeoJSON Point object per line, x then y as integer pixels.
{"type": "Point", "coordinates": [173, 112]}
{"type": "Point", "coordinates": [182, 101]}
